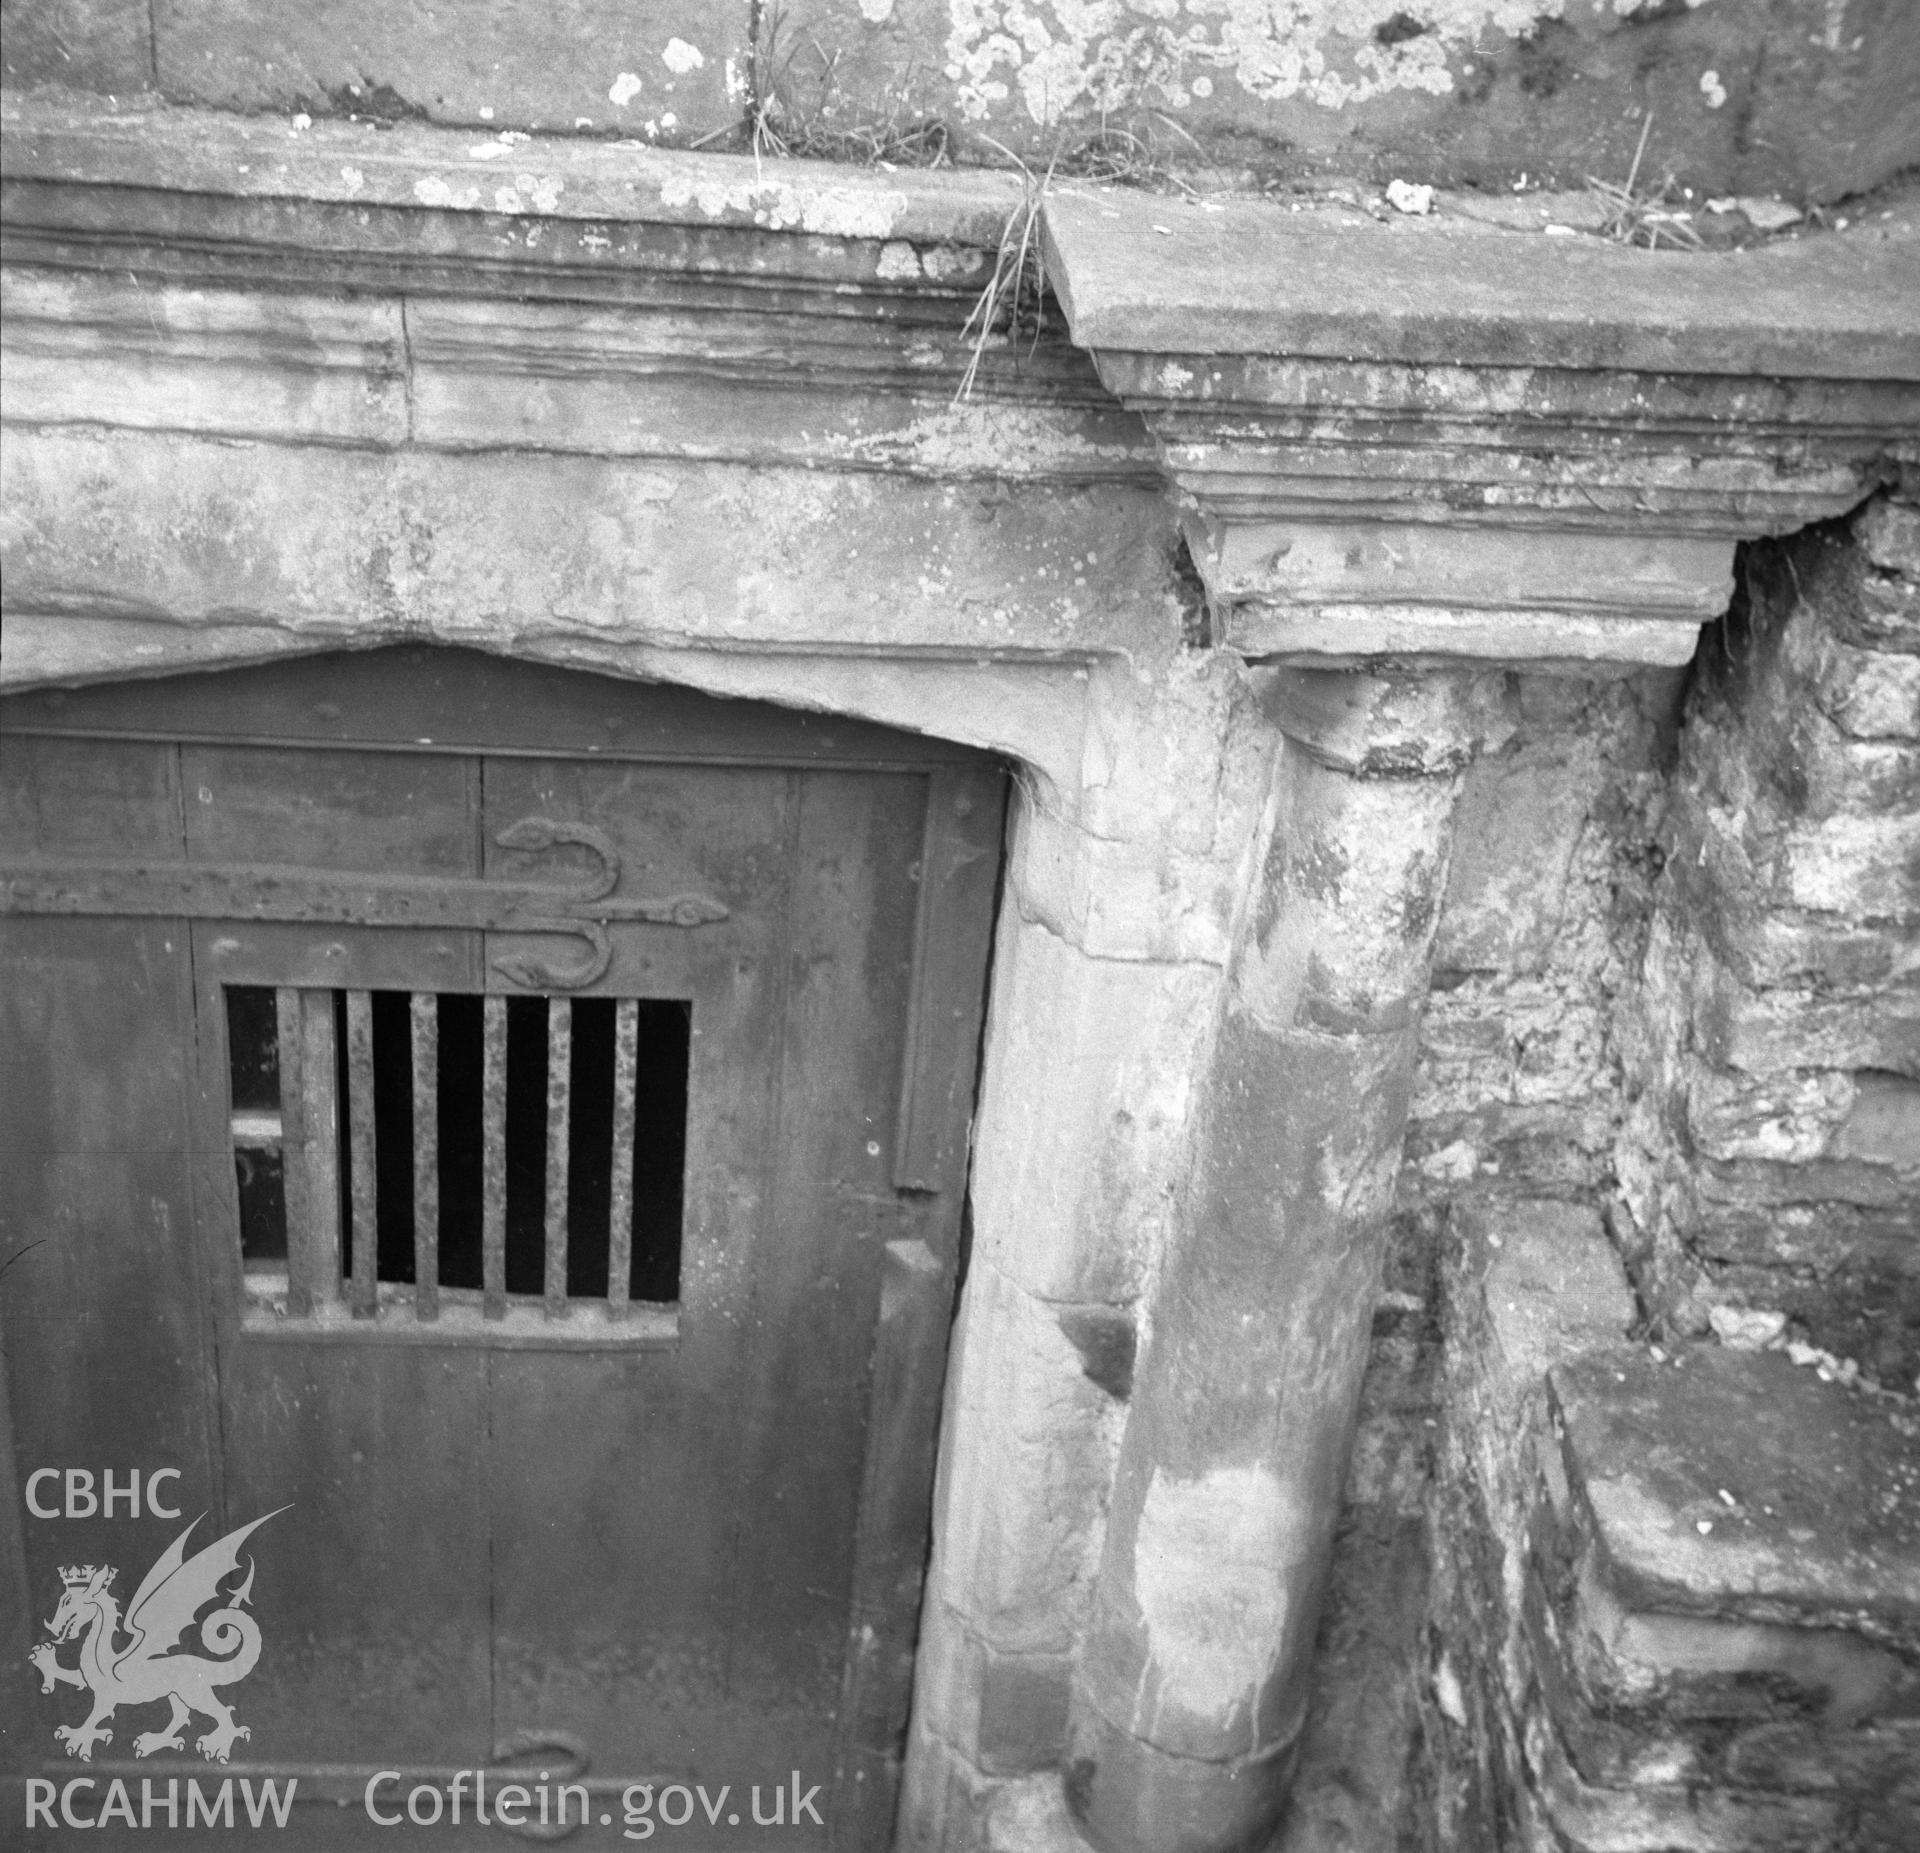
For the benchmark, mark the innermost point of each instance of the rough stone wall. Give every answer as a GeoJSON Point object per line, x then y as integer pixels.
{"type": "Point", "coordinates": [1813, 99]}
{"type": "Point", "coordinates": [1770, 1158]}
{"type": "Point", "coordinates": [1501, 1263]}
{"type": "Point", "coordinates": [1546, 915]}
{"type": "Point", "coordinates": [1675, 1595]}
{"type": "Point", "coordinates": [1667, 1128]}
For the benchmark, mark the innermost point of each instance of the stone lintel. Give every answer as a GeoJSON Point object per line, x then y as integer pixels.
{"type": "Point", "coordinates": [1302, 590]}
{"type": "Point", "coordinates": [1432, 441]}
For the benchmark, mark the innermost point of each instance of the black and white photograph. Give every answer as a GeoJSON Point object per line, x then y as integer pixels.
{"type": "Point", "coordinates": [960, 926]}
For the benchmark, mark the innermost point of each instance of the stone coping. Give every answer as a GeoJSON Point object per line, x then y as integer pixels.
{"type": "Point", "coordinates": [59, 136]}
{"type": "Point", "coordinates": [1167, 276]}
{"type": "Point", "coordinates": [1135, 272]}
{"type": "Point", "coordinates": [1737, 1485]}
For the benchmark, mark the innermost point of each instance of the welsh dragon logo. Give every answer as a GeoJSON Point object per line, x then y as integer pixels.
{"type": "Point", "coordinates": [147, 1665]}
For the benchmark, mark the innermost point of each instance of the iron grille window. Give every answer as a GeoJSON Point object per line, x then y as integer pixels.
{"type": "Point", "coordinates": [449, 1160]}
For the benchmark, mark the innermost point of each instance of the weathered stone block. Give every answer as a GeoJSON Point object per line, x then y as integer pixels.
{"type": "Point", "coordinates": [1890, 533]}
{"type": "Point", "coordinates": [1885, 617]}
{"type": "Point", "coordinates": [1721, 1606]}
{"type": "Point", "coordinates": [1272, 575]}
{"type": "Point", "coordinates": [1768, 1031]}
{"type": "Point", "coordinates": [1533, 1282]}
{"type": "Point", "coordinates": [1882, 1126]}
{"type": "Point", "coordinates": [1870, 694]}
{"type": "Point", "coordinates": [1341, 940]}
{"type": "Point", "coordinates": [1125, 899]}
{"type": "Point", "coordinates": [1081, 1134]}
{"type": "Point", "coordinates": [1735, 1487]}
{"type": "Point", "coordinates": [292, 368]}
{"type": "Point", "coordinates": [1539, 1282]}
{"type": "Point", "coordinates": [1177, 750]}
{"type": "Point", "coordinates": [1810, 1248]}
{"type": "Point", "coordinates": [1766, 1181]}
{"type": "Point", "coordinates": [1677, 1818]}
{"type": "Point", "coordinates": [1031, 1817]}
{"type": "Point", "coordinates": [1469, 90]}
{"type": "Point", "coordinates": [1004, 1713]}
{"type": "Point", "coordinates": [1021, 1504]}
{"type": "Point", "coordinates": [1520, 1041]}
{"type": "Point", "coordinates": [1823, 772]}
{"type": "Point", "coordinates": [1514, 833]}
{"type": "Point", "coordinates": [667, 70]}
{"type": "Point", "coordinates": [1728, 889]}
{"type": "Point", "coordinates": [341, 546]}
{"type": "Point", "coordinates": [1880, 1759]}
{"type": "Point", "coordinates": [1800, 1116]}
{"type": "Point", "coordinates": [944, 1799]}
{"type": "Point", "coordinates": [1023, 1711]}
{"type": "Point", "coordinates": [1786, 1118]}
{"type": "Point", "coordinates": [1866, 867]}
{"type": "Point", "coordinates": [100, 45]}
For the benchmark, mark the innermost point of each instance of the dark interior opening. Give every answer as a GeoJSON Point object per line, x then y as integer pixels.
{"type": "Point", "coordinates": [659, 1154]}
{"type": "Point", "coordinates": [254, 1071]}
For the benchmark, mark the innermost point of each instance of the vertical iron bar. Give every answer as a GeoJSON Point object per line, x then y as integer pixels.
{"type": "Point", "coordinates": [293, 1150]}
{"type": "Point", "coordinates": [559, 1112]}
{"type": "Point", "coordinates": [319, 1114]}
{"type": "Point", "coordinates": [366, 1234]}
{"type": "Point", "coordinates": [426, 1155]}
{"type": "Point", "coordinates": [493, 1148]}
{"type": "Point", "coordinates": [626, 1052]}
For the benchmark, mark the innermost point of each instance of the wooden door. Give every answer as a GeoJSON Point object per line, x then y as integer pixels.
{"type": "Point", "coordinates": [516, 1123]}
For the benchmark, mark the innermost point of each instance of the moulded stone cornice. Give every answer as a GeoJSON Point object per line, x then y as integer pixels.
{"type": "Point", "coordinates": [443, 373]}
{"type": "Point", "coordinates": [1398, 441]}
{"type": "Point", "coordinates": [1420, 440]}
{"type": "Point", "coordinates": [233, 198]}
{"type": "Point", "coordinates": [180, 269]}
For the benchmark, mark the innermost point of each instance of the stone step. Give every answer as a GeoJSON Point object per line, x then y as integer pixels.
{"type": "Point", "coordinates": [1721, 1615]}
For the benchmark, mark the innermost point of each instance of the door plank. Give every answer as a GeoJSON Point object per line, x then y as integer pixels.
{"type": "Point", "coordinates": [619, 1474]}
{"type": "Point", "coordinates": [107, 1348]}
{"type": "Point", "coordinates": [372, 1590]}
{"type": "Point", "coordinates": [384, 813]}
{"type": "Point", "coordinates": [88, 798]}
{"type": "Point", "coordinates": [959, 873]}
{"type": "Point", "coordinates": [832, 1211]}
{"type": "Point", "coordinates": [959, 878]}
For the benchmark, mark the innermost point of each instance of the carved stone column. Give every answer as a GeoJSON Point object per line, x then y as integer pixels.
{"type": "Point", "coordinates": [1406, 459]}
{"type": "Point", "coordinates": [1192, 1685]}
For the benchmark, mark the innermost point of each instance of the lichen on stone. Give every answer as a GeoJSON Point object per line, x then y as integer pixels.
{"type": "Point", "coordinates": [1064, 55]}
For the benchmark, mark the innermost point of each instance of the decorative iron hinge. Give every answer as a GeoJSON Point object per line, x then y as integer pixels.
{"type": "Point", "coordinates": [581, 909]}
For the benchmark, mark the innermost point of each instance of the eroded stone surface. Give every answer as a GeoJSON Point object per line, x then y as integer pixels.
{"type": "Point", "coordinates": [1748, 101]}
{"type": "Point", "coordinates": [95, 44]}
{"type": "Point", "coordinates": [673, 69]}
{"type": "Point", "coordinates": [1076, 1181]}
{"type": "Point", "coordinates": [1768, 1154]}
{"type": "Point", "coordinates": [1477, 90]}
{"type": "Point", "coordinates": [1164, 277]}
{"type": "Point", "coordinates": [1741, 1486]}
